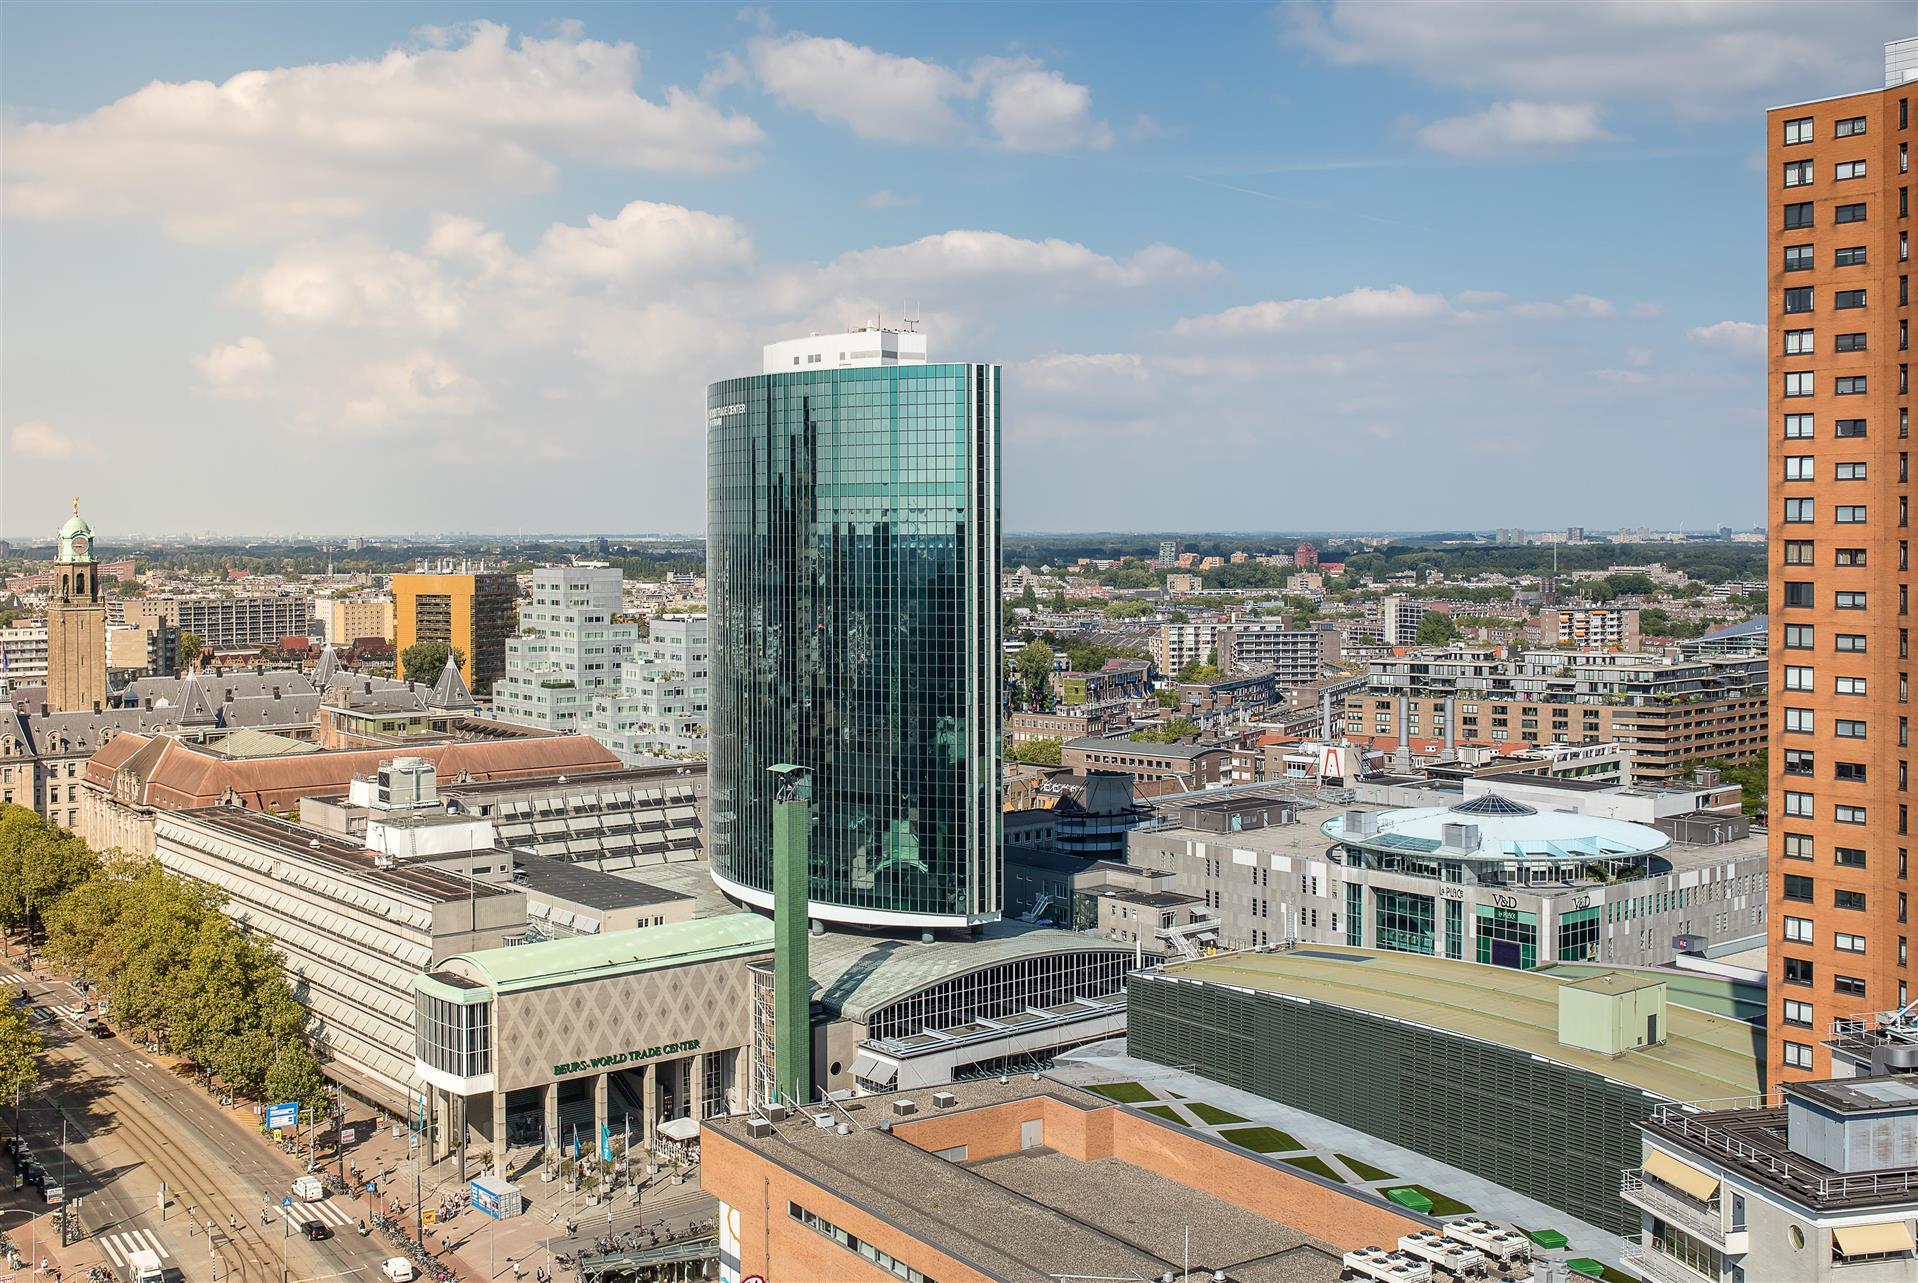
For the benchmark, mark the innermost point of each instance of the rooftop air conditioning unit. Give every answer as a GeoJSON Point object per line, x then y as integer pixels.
{"type": "Point", "coordinates": [904, 1108]}
{"type": "Point", "coordinates": [777, 1113]}
{"type": "Point", "coordinates": [758, 1129]}
{"type": "Point", "coordinates": [1361, 824]}
{"type": "Point", "coordinates": [944, 1100]}
{"type": "Point", "coordinates": [1460, 837]}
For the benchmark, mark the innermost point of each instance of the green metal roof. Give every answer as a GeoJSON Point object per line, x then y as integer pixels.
{"type": "Point", "coordinates": [570, 961]}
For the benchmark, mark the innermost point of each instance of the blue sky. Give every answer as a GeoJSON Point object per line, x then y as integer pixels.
{"type": "Point", "coordinates": [417, 268]}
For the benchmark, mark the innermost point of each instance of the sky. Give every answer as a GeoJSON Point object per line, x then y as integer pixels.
{"type": "Point", "coordinates": [422, 269]}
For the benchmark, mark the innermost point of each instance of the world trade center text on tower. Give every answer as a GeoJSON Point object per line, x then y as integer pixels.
{"type": "Point", "coordinates": [852, 564]}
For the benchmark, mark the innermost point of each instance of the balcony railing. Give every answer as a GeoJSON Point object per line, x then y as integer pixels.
{"type": "Point", "coordinates": [1654, 1266]}
{"type": "Point", "coordinates": [1816, 1182]}
{"type": "Point", "coordinates": [1701, 1220]}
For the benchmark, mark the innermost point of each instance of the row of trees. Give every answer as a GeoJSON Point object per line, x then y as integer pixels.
{"type": "Point", "coordinates": [169, 963]}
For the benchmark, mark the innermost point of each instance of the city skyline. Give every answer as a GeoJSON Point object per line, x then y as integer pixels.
{"type": "Point", "coordinates": [1396, 242]}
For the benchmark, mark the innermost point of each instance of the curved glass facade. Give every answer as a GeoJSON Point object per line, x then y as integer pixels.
{"type": "Point", "coordinates": [852, 589]}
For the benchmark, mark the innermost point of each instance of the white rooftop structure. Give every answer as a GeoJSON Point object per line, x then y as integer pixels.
{"type": "Point", "coordinates": [869, 345]}
{"type": "Point", "coordinates": [1494, 827]}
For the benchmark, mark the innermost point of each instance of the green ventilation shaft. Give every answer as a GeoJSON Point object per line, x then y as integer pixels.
{"type": "Point", "coordinates": [792, 980]}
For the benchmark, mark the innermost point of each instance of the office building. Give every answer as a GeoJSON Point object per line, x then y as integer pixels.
{"type": "Point", "coordinates": [1399, 620]}
{"type": "Point", "coordinates": [349, 617]}
{"type": "Point", "coordinates": [473, 611]}
{"type": "Point", "coordinates": [1517, 871]}
{"type": "Point", "coordinates": [663, 703]}
{"type": "Point", "coordinates": [237, 621]}
{"type": "Point", "coordinates": [1589, 627]}
{"type": "Point", "coordinates": [23, 655]}
{"type": "Point", "coordinates": [569, 650]}
{"type": "Point", "coordinates": [1817, 1183]}
{"type": "Point", "coordinates": [1020, 1181]}
{"type": "Point", "coordinates": [853, 592]}
{"type": "Point", "coordinates": [1531, 1081]}
{"type": "Point", "coordinates": [76, 623]}
{"type": "Point", "coordinates": [1669, 712]}
{"type": "Point", "coordinates": [1838, 209]}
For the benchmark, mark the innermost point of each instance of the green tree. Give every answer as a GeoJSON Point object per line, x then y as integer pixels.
{"type": "Point", "coordinates": [294, 1074]}
{"type": "Point", "coordinates": [1130, 608]}
{"type": "Point", "coordinates": [1170, 731]}
{"type": "Point", "coordinates": [425, 661]}
{"type": "Point", "coordinates": [1059, 599]}
{"type": "Point", "coordinates": [1029, 598]}
{"type": "Point", "coordinates": [191, 644]}
{"type": "Point", "coordinates": [1436, 628]}
{"type": "Point", "coordinates": [1166, 698]}
{"type": "Point", "coordinates": [38, 864]}
{"type": "Point", "coordinates": [1039, 752]}
{"type": "Point", "coordinates": [1201, 671]}
{"type": "Point", "coordinates": [1035, 664]}
{"type": "Point", "coordinates": [1753, 779]}
{"type": "Point", "coordinates": [19, 1054]}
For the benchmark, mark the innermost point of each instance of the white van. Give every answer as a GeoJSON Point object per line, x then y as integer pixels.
{"type": "Point", "coordinates": [144, 1267]}
{"type": "Point", "coordinates": [398, 1269]}
{"type": "Point", "coordinates": [308, 1189]}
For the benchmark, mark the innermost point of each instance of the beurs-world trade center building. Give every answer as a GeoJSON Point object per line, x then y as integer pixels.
{"type": "Point", "coordinates": [852, 589]}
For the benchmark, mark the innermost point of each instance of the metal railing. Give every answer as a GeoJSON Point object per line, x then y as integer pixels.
{"type": "Point", "coordinates": [1648, 1262]}
{"type": "Point", "coordinates": [1816, 1181]}
{"type": "Point", "coordinates": [1703, 1220]}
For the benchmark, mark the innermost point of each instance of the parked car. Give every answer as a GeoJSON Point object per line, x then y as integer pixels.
{"type": "Point", "coordinates": [36, 1174]}
{"type": "Point", "coordinates": [316, 1230]}
{"type": "Point", "coordinates": [398, 1269]}
{"type": "Point", "coordinates": [100, 1029]}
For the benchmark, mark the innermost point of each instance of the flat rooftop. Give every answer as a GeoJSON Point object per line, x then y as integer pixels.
{"type": "Point", "coordinates": [582, 884]}
{"type": "Point", "coordinates": [1039, 1214]}
{"type": "Point", "coordinates": [347, 859]}
{"type": "Point", "coordinates": [597, 781]}
{"type": "Point", "coordinates": [1704, 1057]}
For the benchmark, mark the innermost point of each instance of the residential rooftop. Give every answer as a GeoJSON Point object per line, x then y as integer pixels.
{"type": "Point", "coordinates": [1704, 1057]}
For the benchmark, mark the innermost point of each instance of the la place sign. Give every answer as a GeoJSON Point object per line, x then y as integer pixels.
{"type": "Point", "coordinates": [626, 1057]}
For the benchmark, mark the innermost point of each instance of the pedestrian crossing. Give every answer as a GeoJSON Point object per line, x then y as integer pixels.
{"type": "Point", "coordinates": [120, 1246]}
{"type": "Point", "coordinates": [8, 978]}
{"type": "Point", "coordinates": [326, 1212]}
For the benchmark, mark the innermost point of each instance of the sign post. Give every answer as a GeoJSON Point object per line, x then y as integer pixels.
{"type": "Point", "coordinates": [284, 1114]}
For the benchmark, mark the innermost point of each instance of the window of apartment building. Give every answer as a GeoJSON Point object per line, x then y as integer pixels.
{"type": "Point", "coordinates": [1852, 471]}
{"type": "Point", "coordinates": [1849, 385]}
{"type": "Point", "coordinates": [1850, 986]}
{"type": "Point", "coordinates": [1848, 256]}
{"type": "Point", "coordinates": [1799, 552]}
{"type": "Point", "coordinates": [1798, 299]}
{"type": "Point", "coordinates": [1798, 805]}
{"type": "Point", "coordinates": [1798, 467]}
{"type": "Point", "coordinates": [1798, 1054]}
{"type": "Point", "coordinates": [1848, 169]}
{"type": "Point", "coordinates": [1848, 128]}
{"type": "Point", "coordinates": [1798, 131]}
{"type": "Point", "coordinates": [1850, 773]}
{"type": "Point", "coordinates": [1800, 888]}
{"type": "Point", "coordinates": [1850, 514]}
{"type": "Point", "coordinates": [1798, 1013]}
{"type": "Point", "coordinates": [1799, 761]}
{"type": "Point", "coordinates": [1853, 557]}
{"type": "Point", "coordinates": [1849, 343]}
{"type": "Point", "coordinates": [1798, 173]}
{"type": "Point", "coordinates": [1849, 686]}
{"type": "Point", "coordinates": [1850, 644]}
{"type": "Point", "coordinates": [1798, 846]}
{"type": "Point", "coordinates": [1799, 342]}
{"type": "Point", "coordinates": [1799, 427]}
{"type": "Point", "coordinates": [1800, 258]}
{"type": "Point", "coordinates": [1798, 930]}
{"type": "Point", "coordinates": [1845, 942]}
{"type": "Point", "coordinates": [1800, 636]}
{"type": "Point", "coordinates": [1852, 900]}
{"type": "Point", "coordinates": [1849, 213]}
{"type": "Point", "coordinates": [1849, 857]}
{"type": "Point", "coordinates": [1848, 814]}
{"type": "Point", "coordinates": [1849, 428]}
{"type": "Point", "coordinates": [1799, 383]}
{"type": "Point", "coordinates": [1799, 971]}
{"type": "Point", "coordinates": [1799, 677]}
{"type": "Point", "coordinates": [1800, 510]}
{"type": "Point", "coordinates": [1798, 720]}
{"type": "Point", "coordinates": [1848, 729]}
{"type": "Point", "coordinates": [1849, 600]}
{"type": "Point", "coordinates": [1798, 216]}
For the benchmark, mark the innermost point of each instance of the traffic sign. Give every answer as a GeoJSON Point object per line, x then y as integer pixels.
{"type": "Point", "coordinates": [347, 1136]}
{"type": "Point", "coordinates": [284, 1114]}
{"type": "Point", "coordinates": [285, 1201]}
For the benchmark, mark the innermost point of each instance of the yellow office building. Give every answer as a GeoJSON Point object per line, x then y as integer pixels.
{"type": "Point", "coordinates": [474, 612]}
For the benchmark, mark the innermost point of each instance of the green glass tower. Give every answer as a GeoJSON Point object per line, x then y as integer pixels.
{"type": "Point", "coordinates": [853, 602]}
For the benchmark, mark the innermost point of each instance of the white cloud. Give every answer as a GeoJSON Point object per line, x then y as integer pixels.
{"type": "Point", "coordinates": [1717, 58]}
{"type": "Point", "coordinates": [901, 99]}
{"type": "Point", "coordinates": [884, 199]}
{"type": "Point", "coordinates": [1396, 304]}
{"type": "Point", "coordinates": [37, 439]}
{"type": "Point", "coordinates": [949, 258]}
{"type": "Point", "coordinates": [1510, 130]}
{"type": "Point", "coordinates": [294, 148]}
{"type": "Point", "coordinates": [646, 240]}
{"type": "Point", "coordinates": [1741, 338]}
{"type": "Point", "coordinates": [236, 371]}
{"type": "Point", "coordinates": [878, 95]}
{"type": "Point", "coordinates": [418, 386]}
{"type": "Point", "coordinates": [1579, 305]}
{"type": "Point", "coordinates": [1036, 110]}
{"type": "Point", "coordinates": [351, 283]}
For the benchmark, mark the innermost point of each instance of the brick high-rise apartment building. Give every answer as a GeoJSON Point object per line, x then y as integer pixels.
{"type": "Point", "coordinates": [1839, 213]}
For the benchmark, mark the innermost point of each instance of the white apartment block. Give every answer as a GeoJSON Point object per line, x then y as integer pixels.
{"type": "Point", "coordinates": [661, 708]}
{"type": "Point", "coordinates": [23, 655]}
{"type": "Point", "coordinates": [568, 651]}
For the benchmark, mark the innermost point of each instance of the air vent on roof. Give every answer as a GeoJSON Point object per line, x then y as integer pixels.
{"type": "Point", "coordinates": [1361, 824]}
{"type": "Point", "coordinates": [758, 1128]}
{"type": "Point", "coordinates": [903, 1108]}
{"type": "Point", "coordinates": [777, 1113]}
{"type": "Point", "coordinates": [944, 1100]}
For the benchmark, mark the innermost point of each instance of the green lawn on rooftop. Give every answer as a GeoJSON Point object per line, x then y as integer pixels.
{"type": "Point", "coordinates": [1261, 1140]}
{"type": "Point", "coordinates": [1212, 1115]}
{"type": "Point", "coordinates": [1124, 1093]}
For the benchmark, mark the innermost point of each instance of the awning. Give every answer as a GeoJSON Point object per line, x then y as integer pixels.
{"type": "Point", "coordinates": [681, 1129]}
{"type": "Point", "coordinates": [1868, 1240]}
{"type": "Point", "coordinates": [1701, 1185]}
{"type": "Point", "coordinates": [868, 1068]}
